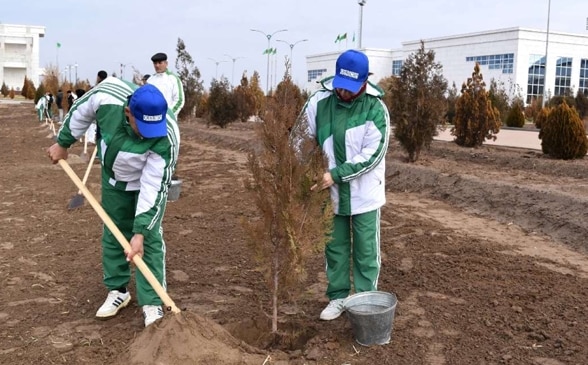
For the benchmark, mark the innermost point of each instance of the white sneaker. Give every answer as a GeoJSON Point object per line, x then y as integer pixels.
{"type": "Point", "coordinates": [333, 310]}
{"type": "Point", "coordinates": [114, 302]}
{"type": "Point", "coordinates": [152, 313]}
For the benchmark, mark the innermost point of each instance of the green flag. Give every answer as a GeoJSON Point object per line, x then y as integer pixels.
{"type": "Point", "coordinates": [343, 36]}
{"type": "Point", "coordinates": [267, 51]}
{"type": "Point", "coordinates": [274, 51]}
{"type": "Point", "coordinates": [58, 45]}
{"type": "Point", "coordinates": [353, 37]}
{"type": "Point", "coordinates": [338, 38]}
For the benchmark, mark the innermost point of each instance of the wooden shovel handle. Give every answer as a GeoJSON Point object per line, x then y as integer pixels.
{"type": "Point", "coordinates": [167, 301]}
{"type": "Point", "coordinates": [87, 173]}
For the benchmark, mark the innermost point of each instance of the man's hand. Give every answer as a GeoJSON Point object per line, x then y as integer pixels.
{"type": "Point", "coordinates": [56, 153]}
{"type": "Point", "coordinates": [136, 246]}
{"type": "Point", "coordinates": [325, 183]}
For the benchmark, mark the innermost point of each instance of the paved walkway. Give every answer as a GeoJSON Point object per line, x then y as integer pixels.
{"type": "Point", "coordinates": [522, 138]}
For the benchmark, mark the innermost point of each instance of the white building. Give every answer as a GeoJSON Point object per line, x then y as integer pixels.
{"type": "Point", "coordinates": [19, 54]}
{"type": "Point", "coordinates": [515, 56]}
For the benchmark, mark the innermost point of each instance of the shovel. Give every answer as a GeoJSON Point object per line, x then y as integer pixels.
{"type": "Point", "coordinates": [84, 155]}
{"type": "Point", "coordinates": [137, 260]}
{"type": "Point", "coordinates": [78, 199]}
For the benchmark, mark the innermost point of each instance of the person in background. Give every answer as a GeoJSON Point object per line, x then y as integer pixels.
{"type": "Point", "coordinates": [41, 107]}
{"type": "Point", "coordinates": [59, 103]}
{"type": "Point", "coordinates": [145, 78]}
{"type": "Point", "coordinates": [102, 75]}
{"type": "Point", "coordinates": [71, 97]}
{"type": "Point", "coordinates": [167, 82]}
{"type": "Point", "coordinates": [141, 143]}
{"type": "Point", "coordinates": [49, 105]}
{"type": "Point", "coordinates": [350, 122]}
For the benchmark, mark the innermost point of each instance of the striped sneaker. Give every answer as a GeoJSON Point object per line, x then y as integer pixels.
{"type": "Point", "coordinates": [152, 313]}
{"type": "Point", "coordinates": [114, 302]}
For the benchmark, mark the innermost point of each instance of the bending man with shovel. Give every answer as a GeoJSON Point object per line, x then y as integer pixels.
{"type": "Point", "coordinates": [139, 145]}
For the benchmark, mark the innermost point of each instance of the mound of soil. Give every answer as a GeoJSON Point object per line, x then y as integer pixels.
{"type": "Point", "coordinates": [187, 338]}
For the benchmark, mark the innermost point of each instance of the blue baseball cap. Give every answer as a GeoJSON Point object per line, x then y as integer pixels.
{"type": "Point", "coordinates": [352, 70]}
{"type": "Point", "coordinates": [149, 108]}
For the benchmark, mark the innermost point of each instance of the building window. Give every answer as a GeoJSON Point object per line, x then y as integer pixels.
{"type": "Point", "coordinates": [315, 74]}
{"type": "Point", "coordinates": [396, 67]}
{"type": "Point", "coordinates": [536, 79]}
{"type": "Point", "coordinates": [504, 62]}
{"type": "Point", "coordinates": [563, 75]}
{"type": "Point", "coordinates": [583, 85]}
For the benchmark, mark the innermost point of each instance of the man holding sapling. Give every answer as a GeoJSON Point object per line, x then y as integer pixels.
{"type": "Point", "coordinates": [351, 124]}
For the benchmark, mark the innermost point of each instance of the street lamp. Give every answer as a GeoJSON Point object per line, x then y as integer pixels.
{"type": "Point", "coordinates": [233, 72]}
{"type": "Point", "coordinates": [291, 45]}
{"type": "Point", "coordinates": [361, 4]}
{"type": "Point", "coordinates": [217, 63]}
{"type": "Point", "coordinates": [269, 37]}
{"type": "Point", "coordinates": [69, 71]}
{"type": "Point", "coordinates": [546, 49]}
{"type": "Point", "coordinates": [76, 67]}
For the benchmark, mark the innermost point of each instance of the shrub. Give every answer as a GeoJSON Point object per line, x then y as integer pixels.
{"type": "Point", "coordinates": [582, 103]}
{"type": "Point", "coordinates": [475, 118]}
{"type": "Point", "coordinates": [515, 117]}
{"type": "Point", "coordinates": [499, 99]}
{"type": "Point", "coordinates": [11, 93]}
{"type": "Point", "coordinates": [221, 103]}
{"type": "Point", "coordinates": [244, 99]}
{"type": "Point", "coordinates": [533, 108]}
{"type": "Point", "coordinates": [418, 102]}
{"type": "Point", "coordinates": [541, 117]}
{"type": "Point", "coordinates": [4, 90]}
{"type": "Point", "coordinates": [563, 135]}
{"type": "Point", "coordinates": [40, 93]}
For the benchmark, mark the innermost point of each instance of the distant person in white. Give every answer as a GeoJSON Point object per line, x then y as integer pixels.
{"type": "Point", "coordinates": [168, 83]}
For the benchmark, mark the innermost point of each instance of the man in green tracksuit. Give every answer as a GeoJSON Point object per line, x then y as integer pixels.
{"type": "Point", "coordinates": [351, 124]}
{"type": "Point", "coordinates": [138, 143]}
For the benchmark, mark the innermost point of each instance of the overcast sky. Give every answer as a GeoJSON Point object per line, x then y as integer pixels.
{"type": "Point", "coordinates": [103, 34]}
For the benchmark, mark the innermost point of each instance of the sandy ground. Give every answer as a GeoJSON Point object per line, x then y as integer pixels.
{"type": "Point", "coordinates": [484, 248]}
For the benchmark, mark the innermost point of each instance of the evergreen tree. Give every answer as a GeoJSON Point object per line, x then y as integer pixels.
{"type": "Point", "coordinates": [418, 103]}
{"type": "Point", "coordinates": [190, 77]}
{"type": "Point", "coordinates": [499, 99]}
{"type": "Point", "coordinates": [25, 87]}
{"type": "Point", "coordinates": [293, 222]}
{"type": "Point", "coordinates": [257, 93]}
{"type": "Point", "coordinates": [475, 119]}
{"type": "Point", "coordinates": [221, 103]}
{"type": "Point", "coordinates": [244, 99]}
{"type": "Point", "coordinates": [4, 90]}
{"type": "Point", "coordinates": [452, 96]}
{"type": "Point", "coordinates": [515, 117]}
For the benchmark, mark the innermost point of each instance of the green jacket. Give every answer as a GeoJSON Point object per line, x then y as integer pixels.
{"type": "Point", "coordinates": [354, 136]}
{"type": "Point", "coordinates": [129, 162]}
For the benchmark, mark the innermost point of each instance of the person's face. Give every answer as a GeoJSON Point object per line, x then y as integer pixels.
{"type": "Point", "coordinates": [132, 122]}
{"type": "Point", "coordinates": [160, 66]}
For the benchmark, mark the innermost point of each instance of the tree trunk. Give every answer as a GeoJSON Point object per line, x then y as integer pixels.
{"type": "Point", "coordinates": [275, 294]}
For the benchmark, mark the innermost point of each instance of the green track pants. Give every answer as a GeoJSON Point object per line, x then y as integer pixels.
{"type": "Point", "coordinates": [356, 236]}
{"type": "Point", "coordinates": [120, 206]}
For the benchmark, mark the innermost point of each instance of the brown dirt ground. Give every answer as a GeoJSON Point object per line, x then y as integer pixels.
{"type": "Point", "coordinates": [485, 249]}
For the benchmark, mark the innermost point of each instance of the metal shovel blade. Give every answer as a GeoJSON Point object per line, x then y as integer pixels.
{"type": "Point", "coordinates": [76, 202]}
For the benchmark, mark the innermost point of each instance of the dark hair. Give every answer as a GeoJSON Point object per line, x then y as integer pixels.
{"type": "Point", "coordinates": [102, 74]}
{"type": "Point", "coordinates": [80, 92]}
